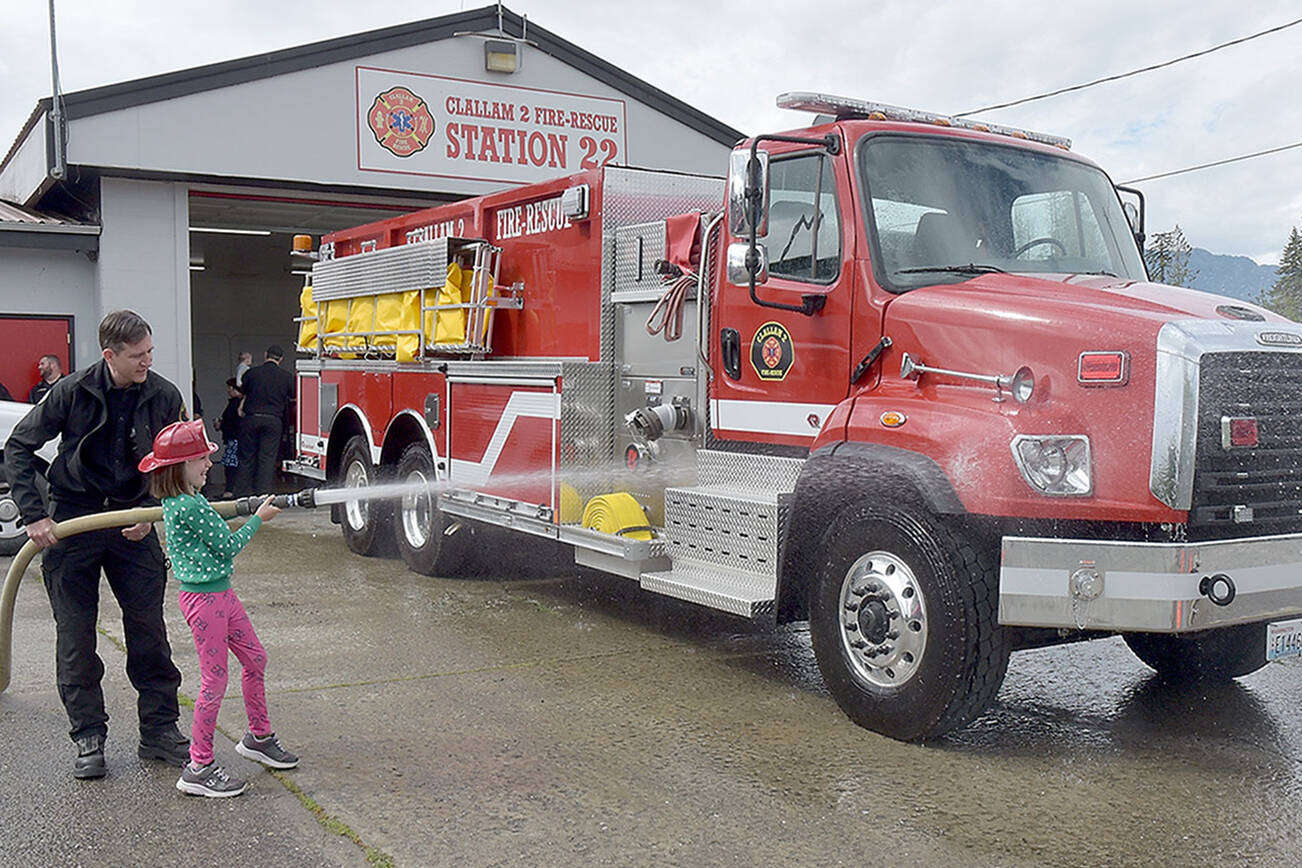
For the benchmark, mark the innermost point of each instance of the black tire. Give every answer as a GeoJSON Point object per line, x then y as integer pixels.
{"type": "Point", "coordinates": [1209, 655]}
{"type": "Point", "coordinates": [941, 657]}
{"type": "Point", "coordinates": [366, 523]}
{"type": "Point", "coordinates": [420, 528]}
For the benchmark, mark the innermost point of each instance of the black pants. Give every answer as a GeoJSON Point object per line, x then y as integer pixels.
{"type": "Point", "coordinates": [137, 576]}
{"type": "Point", "coordinates": [259, 451]}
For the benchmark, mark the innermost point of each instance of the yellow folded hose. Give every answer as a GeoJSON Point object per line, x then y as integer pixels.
{"type": "Point", "coordinates": [63, 530]}
{"type": "Point", "coordinates": [618, 513]}
{"type": "Point", "coordinates": [571, 506]}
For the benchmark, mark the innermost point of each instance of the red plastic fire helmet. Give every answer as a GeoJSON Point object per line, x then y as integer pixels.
{"type": "Point", "coordinates": [178, 442]}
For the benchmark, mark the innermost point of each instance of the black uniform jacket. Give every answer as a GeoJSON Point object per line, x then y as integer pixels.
{"type": "Point", "coordinates": [75, 409]}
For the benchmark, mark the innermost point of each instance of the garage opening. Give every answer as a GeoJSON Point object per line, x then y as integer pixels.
{"type": "Point", "coordinates": [243, 289]}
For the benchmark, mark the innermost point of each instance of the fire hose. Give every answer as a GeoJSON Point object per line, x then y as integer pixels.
{"type": "Point", "coordinates": [99, 521]}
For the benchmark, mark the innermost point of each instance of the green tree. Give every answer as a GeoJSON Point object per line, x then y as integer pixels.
{"type": "Point", "coordinates": [1285, 297]}
{"type": "Point", "coordinates": [1167, 258]}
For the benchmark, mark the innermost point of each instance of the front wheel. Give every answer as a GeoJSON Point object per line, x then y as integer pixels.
{"type": "Point", "coordinates": [1209, 655]}
{"type": "Point", "coordinates": [421, 529]}
{"type": "Point", "coordinates": [365, 522]}
{"type": "Point", "coordinates": [904, 622]}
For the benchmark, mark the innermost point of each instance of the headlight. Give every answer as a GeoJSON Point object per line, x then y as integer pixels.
{"type": "Point", "coordinates": [1057, 465]}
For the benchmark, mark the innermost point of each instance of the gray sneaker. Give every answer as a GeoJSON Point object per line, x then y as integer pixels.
{"type": "Point", "coordinates": [211, 781]}
{"type": "Point", "coordinates": [266, 750]}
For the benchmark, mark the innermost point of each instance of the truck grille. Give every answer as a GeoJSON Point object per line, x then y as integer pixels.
{"type": "Point", "coordinates": [1258, 489]}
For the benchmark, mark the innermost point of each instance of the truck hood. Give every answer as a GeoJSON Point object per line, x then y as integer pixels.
{"type": "Point", "coordinates": [1006, 320]}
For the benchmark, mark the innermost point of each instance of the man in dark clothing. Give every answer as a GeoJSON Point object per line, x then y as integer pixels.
{"type": "Point", "coordinates": [51, 370]}
{"type": "Point", "coordinates": [268, 395]}
{"type": "Point", "coordinates": [107, 416]}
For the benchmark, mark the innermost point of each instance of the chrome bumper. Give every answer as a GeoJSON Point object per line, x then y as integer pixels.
{"type": "Point", "coordinates": [1149, 587]}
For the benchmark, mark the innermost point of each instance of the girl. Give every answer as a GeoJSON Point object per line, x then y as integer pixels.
{"type": "Point", "coordinates": [202, 548]}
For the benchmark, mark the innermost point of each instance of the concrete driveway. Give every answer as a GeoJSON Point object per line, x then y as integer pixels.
{"type": "Point", "coordinates": [539, 714]}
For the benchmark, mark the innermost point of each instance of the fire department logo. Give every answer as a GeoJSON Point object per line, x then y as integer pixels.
{"type": "Point", "coordinates": [771, 352]}
{"type": "Point", "coordinates": [401, 122]}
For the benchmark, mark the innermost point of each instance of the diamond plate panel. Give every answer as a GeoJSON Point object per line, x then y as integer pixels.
{"type": "Point", "coordinates": [587, 427]}
{"type": "Point", "coordinates": [631, 196]}
{"type": "Point", "coordinates": [719, 527]}
{"type": "Point", "coordinates": [744, 470]}
{"type": "Point", "coordinates": [750, 595]}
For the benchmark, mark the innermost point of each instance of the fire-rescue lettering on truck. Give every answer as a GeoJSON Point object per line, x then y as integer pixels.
{"type": "Point", "coordinates": [898, 374]}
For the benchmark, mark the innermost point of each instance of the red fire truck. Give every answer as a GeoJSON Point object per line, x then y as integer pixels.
{"type": "Point", "coordinates": [899, 374]}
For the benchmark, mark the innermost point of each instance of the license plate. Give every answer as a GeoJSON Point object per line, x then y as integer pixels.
{"type": "Point", "coordinates": [1284, 639]}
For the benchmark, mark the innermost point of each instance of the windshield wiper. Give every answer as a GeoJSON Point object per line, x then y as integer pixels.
{"type": "Point", "coordinates": [1102, 273]}
{"type": "Point", "coordinates": [970, 268]}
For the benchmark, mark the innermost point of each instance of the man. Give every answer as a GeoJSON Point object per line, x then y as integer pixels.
{"type": "Point", "coordinates": [51, 370]}
{"type": "Point", "coordinates": [107, 416]}
{"type": "Point", "coordinates": [268, 394]}
{"type": "Point", "coordinates": [243, 362]}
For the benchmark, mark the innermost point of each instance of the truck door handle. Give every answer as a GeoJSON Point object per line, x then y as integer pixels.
{"type": "Point", "coordinates": [730, 349]}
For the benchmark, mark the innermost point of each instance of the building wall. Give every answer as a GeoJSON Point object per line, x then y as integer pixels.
{"type": "Point", "coordinates": [304, 126]}
{"type": "Point", "coordinates": [51, 283]}
{"type": "Point", "coordinates": [144, 265]}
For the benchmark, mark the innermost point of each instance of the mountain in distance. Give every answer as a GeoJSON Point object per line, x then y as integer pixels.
{"type": "Point", "coordinates": [1236, 276]}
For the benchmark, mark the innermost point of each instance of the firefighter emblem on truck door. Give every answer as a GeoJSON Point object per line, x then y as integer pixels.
{"type": "Point", "coordinates": [401, 122]}
{"type": "Point", "coordinates": [771, 352]}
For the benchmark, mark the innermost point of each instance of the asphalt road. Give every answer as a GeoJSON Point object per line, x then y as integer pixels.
{"type": "Point", "coordinates": [540, 714]}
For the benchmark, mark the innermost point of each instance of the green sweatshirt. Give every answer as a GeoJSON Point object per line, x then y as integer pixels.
{"type": "Point", "coordinates": [200, 544]}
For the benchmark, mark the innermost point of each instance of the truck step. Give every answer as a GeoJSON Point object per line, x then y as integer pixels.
{"type": "Point", "coordinates": [727, 527]}
{"type": "Point", "coordinates": [742, 593]}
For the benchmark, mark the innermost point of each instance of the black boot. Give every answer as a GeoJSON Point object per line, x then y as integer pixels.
{"type": "Point", "coordinates": [90, 757]}
{"type": "Point", "coordinates": [167, 745]}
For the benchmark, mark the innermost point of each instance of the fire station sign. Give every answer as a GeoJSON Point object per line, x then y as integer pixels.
{"type": "Point", "coordinates": [417, 124]}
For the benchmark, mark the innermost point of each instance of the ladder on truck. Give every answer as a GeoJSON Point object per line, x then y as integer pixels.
{"type": "Point", "coordinates": [399, 302]}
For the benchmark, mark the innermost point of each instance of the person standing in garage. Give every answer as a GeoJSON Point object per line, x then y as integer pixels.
{"type": "Point", "coordinates": [268, 395]}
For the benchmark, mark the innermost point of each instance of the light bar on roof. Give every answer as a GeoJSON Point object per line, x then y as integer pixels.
{"type": "Point", "coordinates": [845, 107]}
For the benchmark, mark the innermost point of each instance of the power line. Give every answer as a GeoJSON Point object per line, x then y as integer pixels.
{"type": "Point", "coordinates": [1216, 163]}
{"type": "Point", "coordinates": [1098, 81]}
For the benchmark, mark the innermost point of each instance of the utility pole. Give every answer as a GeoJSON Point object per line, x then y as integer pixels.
{"type": "Point", "coordinates": [56, 100]}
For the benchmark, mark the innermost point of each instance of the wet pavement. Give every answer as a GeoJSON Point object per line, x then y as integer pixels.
{"type": "Point", "coordinates": [537, 713]}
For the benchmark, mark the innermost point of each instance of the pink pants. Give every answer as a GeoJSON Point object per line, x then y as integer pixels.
{"type": "Point", "coordinates": [219, 623]}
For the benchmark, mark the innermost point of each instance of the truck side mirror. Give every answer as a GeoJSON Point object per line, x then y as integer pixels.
{"type": "Point", "coordinates": [738, 271]}
{"type": "Point", "coordinates": [1134, 211]}
{"type": "Point", "coordinates": [748, 192]}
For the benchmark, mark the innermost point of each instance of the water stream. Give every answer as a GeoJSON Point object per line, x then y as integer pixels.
{"type": "Point", "coordinates": [614, 476]}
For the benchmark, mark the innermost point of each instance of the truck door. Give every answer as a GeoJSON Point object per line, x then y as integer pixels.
{"type": "Point", "coordinates": [778, 374]}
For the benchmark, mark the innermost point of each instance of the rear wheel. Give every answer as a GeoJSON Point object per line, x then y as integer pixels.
{"type": "Point", "coordinates": [903, 622]}
{"type": "Point", "coordinates": [421, 528]}
{"type": "Point", "coordinates": [1210, 655]}
{"type": "Point", "coordinates": [365, 522]}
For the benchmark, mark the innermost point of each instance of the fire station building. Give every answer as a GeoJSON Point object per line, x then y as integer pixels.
{"type": "Point", "coordinates": [177, 195]}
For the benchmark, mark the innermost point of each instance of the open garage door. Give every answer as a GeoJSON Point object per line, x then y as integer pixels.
{"type": "Point", "coordinates": [243, 291]}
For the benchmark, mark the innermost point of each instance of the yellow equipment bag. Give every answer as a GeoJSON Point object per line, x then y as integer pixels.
{"type": "Point", "coordinates": [307, 328]}
{"type": "Point", "coordinates": [398, 311]}
{"type": "Point", "coordinates": [450, 324]}
{"type": "Point", "coordinates": [617, 513]}
{"type": "Point", "coordinates": [361, 318]}
{"type": "Point", "coordinates": [336, 321]}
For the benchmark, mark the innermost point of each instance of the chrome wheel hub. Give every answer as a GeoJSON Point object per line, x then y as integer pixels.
{"type": "Point", "coordinates": [417, 509]}
{"type": "Point", "coordinates": [356, 512]}
{"type": "Point", "coordinates": [883, 620]}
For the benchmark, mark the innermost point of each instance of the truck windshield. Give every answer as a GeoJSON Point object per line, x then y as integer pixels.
{"type": "Point", "coordinates": [944, 210]}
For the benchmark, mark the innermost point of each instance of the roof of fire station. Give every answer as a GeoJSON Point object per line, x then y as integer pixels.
{"type": "Point", "coordinates": [22, 227]}
{"type": "Point", "coordinates": [483, 22]}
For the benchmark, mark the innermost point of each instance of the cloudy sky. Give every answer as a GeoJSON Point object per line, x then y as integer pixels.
{"type": "Point", "coordinates": [731, 57]}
